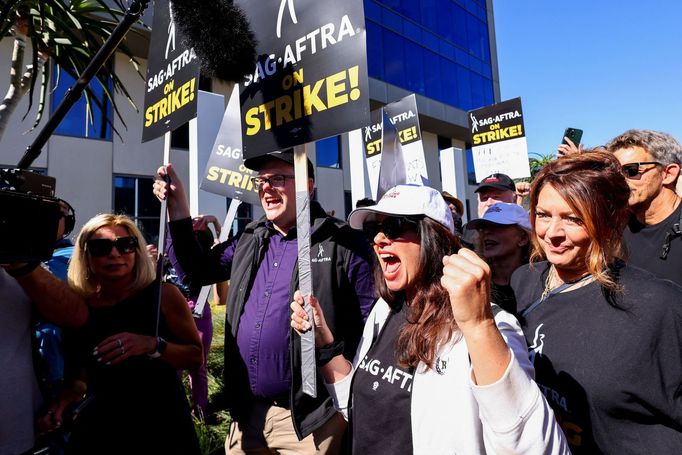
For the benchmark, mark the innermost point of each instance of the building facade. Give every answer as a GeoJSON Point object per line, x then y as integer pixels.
{"type": "Point", "coordinates": [441, 50]}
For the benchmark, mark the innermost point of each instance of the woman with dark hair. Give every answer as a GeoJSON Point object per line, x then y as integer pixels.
{"type": "Point", "coordinates": [439, 369]}
{"type": "Point", "coordinates": [504, 238]}
{"type": "Point", "coordinates": [605, 338]}
{"type": "Point", "coordinates": [126, 355]}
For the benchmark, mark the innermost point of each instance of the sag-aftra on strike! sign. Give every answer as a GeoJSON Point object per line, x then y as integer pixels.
{"type": "Point", "coordinates": [170, 98]}
{"type": "Point", "coordinates": [310, 80]}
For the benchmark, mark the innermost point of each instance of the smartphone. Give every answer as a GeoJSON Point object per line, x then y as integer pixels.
{"type": "Point", "coordinates": [574, 134]}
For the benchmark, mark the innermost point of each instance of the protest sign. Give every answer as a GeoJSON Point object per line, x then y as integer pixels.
{"type": "Point", "coordinates": [225, 173]}
{"type": "Point", "coordinates": [310, 80]}
{"type": "Point", "coordinates": [170, 98]}
{"type": "Point", "coordinates": [392, 171]}
{"type": "Point", "coordinates": [499, 141]}
{"type": "Point", "coordinates": [404, 118]}
{"type": "Point", "coordinates": [371, 144]}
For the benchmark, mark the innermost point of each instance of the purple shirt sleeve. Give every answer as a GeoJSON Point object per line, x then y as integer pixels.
{"type": "Point", "coordinates": [201, 267]}
{"type": "Point", "coordinates": [361, 278]}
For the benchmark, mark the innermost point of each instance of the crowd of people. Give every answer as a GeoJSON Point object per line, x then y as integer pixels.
{"type": "Point", "coordinates": [549, 328]}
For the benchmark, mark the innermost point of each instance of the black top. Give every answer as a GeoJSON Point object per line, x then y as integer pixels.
{"type": "Point", "coordinates": [381, 396]}
{"type": "Point", "coordinates": [503, 295]}
{"type": "Point", "coordinates": [645, 245]}
{"type": "Point", "coordinates": [139, 405]}
{"type": "Point", "coordinates": [612, 375]}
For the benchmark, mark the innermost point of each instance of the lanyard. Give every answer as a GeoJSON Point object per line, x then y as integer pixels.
{"type": "Point", "coordinates": [554, 291]}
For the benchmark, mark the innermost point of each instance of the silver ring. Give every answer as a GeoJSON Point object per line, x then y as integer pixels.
{"type": "Point", "coordinates": [118, 340]}
{"type": "Point", "coordinates": [123, 351]}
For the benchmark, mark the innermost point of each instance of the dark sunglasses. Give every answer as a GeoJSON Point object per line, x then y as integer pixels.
{"type": "Point", "coordinates": [631, 170]}
{"type": "Point", "coordinates": [392, 226]}
{"type": "Point", "coordinates": [102, 247]}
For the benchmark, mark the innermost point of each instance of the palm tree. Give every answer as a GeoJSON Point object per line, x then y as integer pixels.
{"type": "Point", "coordinates": [67, 32]}
{"type": "Point", "coordinates": [537, 162]}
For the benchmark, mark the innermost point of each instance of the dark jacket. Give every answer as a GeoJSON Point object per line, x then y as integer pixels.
{"type": "Point", "coordinates": [332, 242]}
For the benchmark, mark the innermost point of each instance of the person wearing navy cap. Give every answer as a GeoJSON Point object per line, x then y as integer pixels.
{"type": "Point", "coordinates": [493, 189]}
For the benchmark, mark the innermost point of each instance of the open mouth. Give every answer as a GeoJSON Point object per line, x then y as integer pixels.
{"type": "Point", "coordinates": [490, 243]}
{"type": "Point", "coordinates": [390, 264]}
{"type": "Point", "coordinates": [272, 201]}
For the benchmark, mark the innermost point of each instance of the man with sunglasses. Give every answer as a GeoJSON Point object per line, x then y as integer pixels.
{"type": "Point", "coordinates": [651, 163]}
{"type": "Point", "coordinates": [262, 361]}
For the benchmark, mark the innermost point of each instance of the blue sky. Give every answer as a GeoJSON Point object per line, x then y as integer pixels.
{"type": "Point", "coordinates": [600, 65]}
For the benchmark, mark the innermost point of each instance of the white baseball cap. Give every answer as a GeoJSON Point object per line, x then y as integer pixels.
{"type": "Point", "coordinates": [406, 200]}
{"type": "Point", "coordinates": [503, 213]}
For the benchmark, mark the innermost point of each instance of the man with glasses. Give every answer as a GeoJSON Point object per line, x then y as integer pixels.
{"type": "Point", "coordinates": [262, 363]}
{"type": "Point", "coordinates": [651, 163]}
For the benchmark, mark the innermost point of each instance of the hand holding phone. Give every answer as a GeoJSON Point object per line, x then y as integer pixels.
{"type": "Point", "coordinates": [570, 142]}
{"type": "Point", "coordinates": [574, 134]}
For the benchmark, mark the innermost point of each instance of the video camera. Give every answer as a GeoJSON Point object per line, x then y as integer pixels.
{"type": "Point", "coordinates": [30, 213]}
{"type": "Point", "coordinates": [29, 218]}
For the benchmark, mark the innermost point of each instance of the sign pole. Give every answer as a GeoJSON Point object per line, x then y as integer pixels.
{"type": "Point", "coordinates": [224, 234]}
{"type": "Point", "coordinates": [193, 168]}
{"type": "Point", "coordinates": [162, 234]}
{"type": "Point", "coordinates": [308, 367]}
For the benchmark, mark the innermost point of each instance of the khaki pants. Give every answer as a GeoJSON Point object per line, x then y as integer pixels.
{"type": "Point", "coordinates": [269, 430]}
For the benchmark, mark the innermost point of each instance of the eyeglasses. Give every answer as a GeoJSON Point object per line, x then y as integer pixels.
{"type": "Point", "coordinates": [102, 247]}
{"type": "Point", "coordinates": [631, 170]}
{"type": "Point", "coordinates": [275, 181]}
{"type": "Point", "coordinates": [392, 227]}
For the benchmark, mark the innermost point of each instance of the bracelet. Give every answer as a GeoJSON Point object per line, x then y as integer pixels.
{"type": "Point", "coordinates": [327, 352]}
{"type": "Point", "coordinates": [23, 270]}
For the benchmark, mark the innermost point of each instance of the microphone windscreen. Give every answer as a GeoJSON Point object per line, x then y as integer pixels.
{"type": "Point", "coordinates": [220, 35]}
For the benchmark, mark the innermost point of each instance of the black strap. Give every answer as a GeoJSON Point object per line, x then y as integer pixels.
{"type": "Point", "coordinates": [669, 236]}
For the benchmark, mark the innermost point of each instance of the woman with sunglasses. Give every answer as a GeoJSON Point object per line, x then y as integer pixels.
{"type": "Point", "coordinates": [138, 403]}
{"type": "Point", "coordinates": [605, 338]}
{"type": "Point", "coordinates": [438, 369]}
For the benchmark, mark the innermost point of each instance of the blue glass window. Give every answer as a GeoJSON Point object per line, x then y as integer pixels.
{"type": "Point", "coordinates": [459, 26]}
{"type": "Point", "coordinates": [430, 40]}
{"type": "Point", "coordinates": [432, 76]}
{"type": "Point", "coordinates": [449, 80]}
{"type": "Point", "coordinates": [477, 90]}
{"type": "Point", "coordinates": [429, 14]}
{"type": "Point", "coordinates": [412, 31]}
{"type": "Point", "coordinates": [414, 76]}
{"type": "Point", "coordinates": [328, 152]}
{"type": "Point", "coordinates": [375, 49]}
{"type": "Point", "coordinates": [445, 19]}
{"type": "Point", "coordinates": [463, 88]}
{"type": "Point", "coordinates": [392, 21]}
{"type": "Point", "coordinates": [410, 8]}
{"type": "Point", "coordinates": [394, 59]}
{"type": "Point", "coordinates": [372, 11]}
{"type": "Point", "coordinates": [78, 122]}
{"type": "Point", "coordinates": [474, 32]}
{"type": "Point", "coordinates": [132, 197]}
{"type": "Point", "coordinates": [438, 48]}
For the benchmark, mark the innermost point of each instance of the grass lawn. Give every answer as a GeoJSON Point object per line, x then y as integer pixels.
{"type": "Point", "coordinates": [212, 432]}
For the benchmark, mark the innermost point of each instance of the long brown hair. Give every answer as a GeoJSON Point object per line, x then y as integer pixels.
{"type": "Point", "coordinates": [593, 185]}
{"type": "Point", "coordinates": [429, 315]}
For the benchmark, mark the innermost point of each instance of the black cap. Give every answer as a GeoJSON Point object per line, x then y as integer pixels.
{"type": "Point", "coordinates": [499, 181]}
{"type": "Point", "coordinates": [257, 162]}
